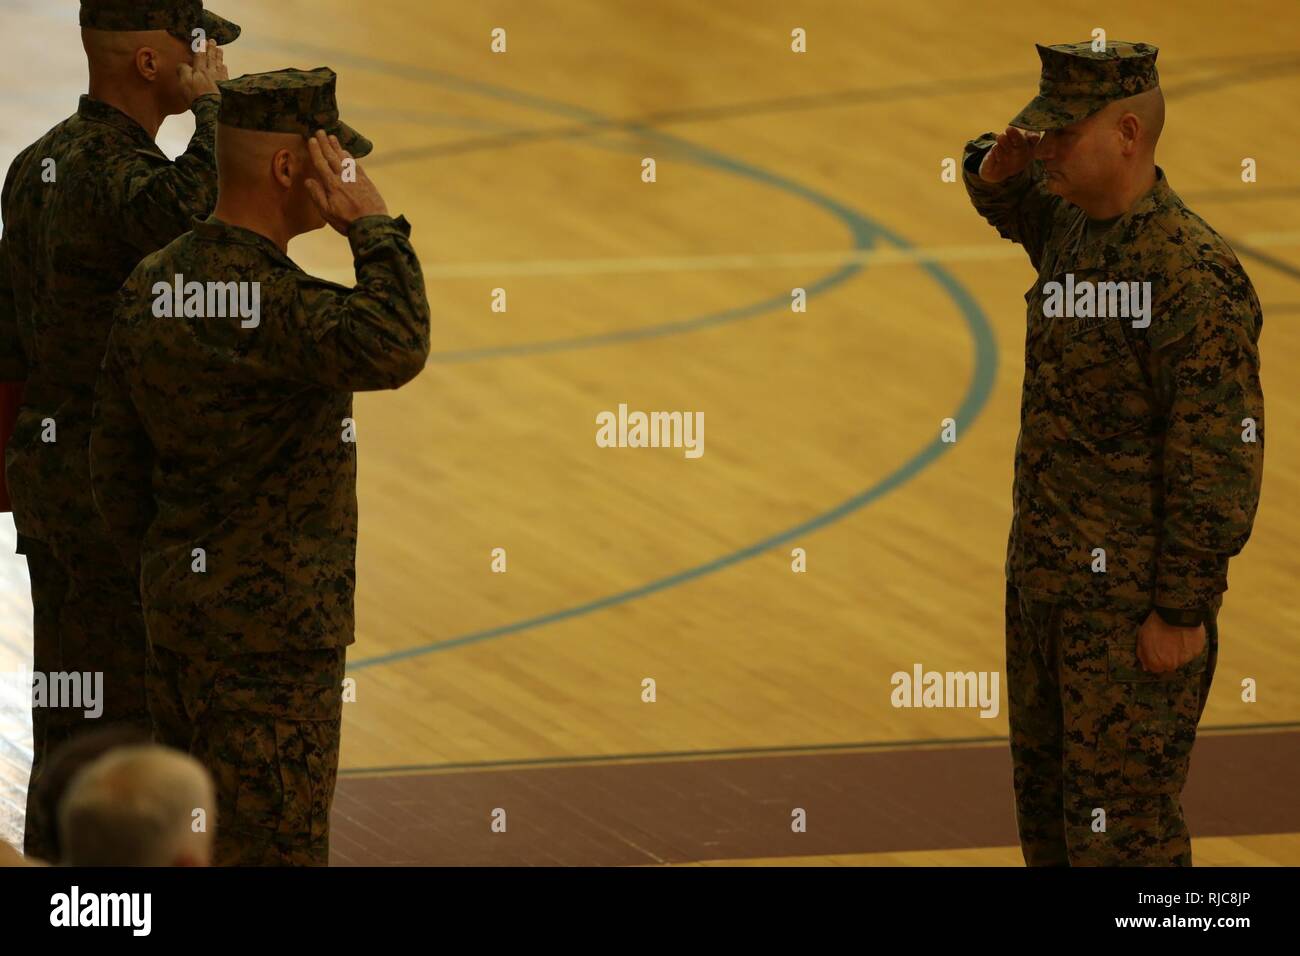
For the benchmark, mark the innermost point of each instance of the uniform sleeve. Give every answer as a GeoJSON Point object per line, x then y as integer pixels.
{"type": "Point", "coordinates": [374, 336]}
{"type": "Point", "coordinates": [121, 459]}
{"type": "Point", "coordinates": [1020, 208]}
{"type": "Point", "coordinates": [1207, 376]}
{"type": "Point", "coordinates": [13, 363]}
{"type": "Point", "coordinates": [161, 197]}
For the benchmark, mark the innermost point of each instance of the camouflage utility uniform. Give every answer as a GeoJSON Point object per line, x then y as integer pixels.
{"type": "Point", "coordinates": [82, 205]}
{"type": "Point", "coordinates": [222, 454]}
{"type": "Point", "coordinates": [1134, 441]}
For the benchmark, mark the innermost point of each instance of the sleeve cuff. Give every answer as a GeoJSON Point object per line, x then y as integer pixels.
{"type": "Point", "coordinates": [1189, 580]}
{"type": "Point", "coordinates": [975, 154]}
{"type": "Point", "coordinates": [371, 230]}
{"type": "Point", "coordinates": [206, 108]}
{"type": "Point", "coordinates": [1180, 617]}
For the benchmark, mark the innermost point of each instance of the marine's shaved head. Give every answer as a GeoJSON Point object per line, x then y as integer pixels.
{"type": "Point", "coordinates": [117, 44]}
{"type": "Point", "coordinates": [245, 156]}
{"type": "Point", "coordinates": [128, 65]}
{"type": "Point", "coordinates": [262, 177]}
{"type": "Point", "coordinates": [1149, 108]}
{"type": "Point", "coordinates": [113, 52]}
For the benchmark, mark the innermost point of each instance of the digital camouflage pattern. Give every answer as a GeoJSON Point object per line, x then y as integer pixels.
{"type": "Point", "coordinates": [1131, 440]}
{"type": "Point", "coordinates": [1077, 82]}
{"type": "Point", "coordinates": [68, 244]}
{"type": "Point", "coordinates": [230, 439]}
{"type": "Point", "coordinates": [1092, 730]}
{"type": "Point", "coordinates": [266, 726]}
{"type": "Point", "coordinates": [51, 726]}
{"type": "Point", "coordinates": [178, 17]}
{"type": "Point", "coordinates": [289, 101]}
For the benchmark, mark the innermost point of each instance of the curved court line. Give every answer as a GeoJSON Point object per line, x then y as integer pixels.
{"type": "Point", "coordinates": [542, 346]}
{"type": "Point", "coordinates": [863, 230]}
{"type": "Point", "coordinates": [595, 123]}
{"type": "Point", "coordinates": [972, 403]}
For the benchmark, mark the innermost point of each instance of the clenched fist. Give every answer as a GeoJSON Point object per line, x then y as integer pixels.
{"type": "Point", "coordinates": [1165, 647]}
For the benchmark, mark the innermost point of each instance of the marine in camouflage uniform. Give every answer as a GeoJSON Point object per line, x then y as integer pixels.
{"type": "Point", "coordinates": [68, 245]}
{"type": "Point", "coordinates": [1132, 440]}
{"type": "Point", "coordinates": [241, 434]}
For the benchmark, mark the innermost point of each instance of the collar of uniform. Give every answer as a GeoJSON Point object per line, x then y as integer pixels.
{"type": "Point", "coordinates": [1157, 197]}
{"type": "Point", "coordinates": [1093, 254]}
{"type": "Point", "coordinates": [101, 112]}
{"type": "Point", "coordinates": [214, 230]}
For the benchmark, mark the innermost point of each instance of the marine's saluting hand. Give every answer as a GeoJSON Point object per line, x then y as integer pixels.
{"type": "Point", "coordinates": [341, 201]}
{"type": "Point", "coordinates": [201, 78]}
{"type": "Point", "coordinates": [1012, 153]}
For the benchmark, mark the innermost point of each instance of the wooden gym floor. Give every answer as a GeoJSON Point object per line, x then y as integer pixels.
{"type": "Point", "coordinates": [523, 690]}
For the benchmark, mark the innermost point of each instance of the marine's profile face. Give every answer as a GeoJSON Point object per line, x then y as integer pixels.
{"type": "Point", "coordinates": [172, 52]}
{"type": "Point", "coordinates": [303, 213]}
{"type": "Point", "coordinates": [1080, 160]}
{"type": "Point", "coordinates": [311, 218]}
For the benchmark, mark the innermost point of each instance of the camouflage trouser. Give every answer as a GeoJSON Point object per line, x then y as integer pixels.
{"type": "Point", "coordinates": [48, 586]}
{"type": "Point", "coordinates": [86, 618]}
{"type": "Point", "coordinates": [1093, 733]}
{"type": "Point", "coordinates": [267, 727]}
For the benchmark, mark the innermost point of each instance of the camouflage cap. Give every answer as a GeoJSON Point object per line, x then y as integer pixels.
{"type": "Point", "coordinates": [289, 101]}
{"type": "Point", "coordinates": [1077, 81]}
{"type": "Point", "coordinates": [180, 18]}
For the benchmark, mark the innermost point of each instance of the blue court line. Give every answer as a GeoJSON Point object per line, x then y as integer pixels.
{"type": "Point", "coordinates": [863, 230]}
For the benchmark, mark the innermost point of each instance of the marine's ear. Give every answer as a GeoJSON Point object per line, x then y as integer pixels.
{"type": "Point", "coordinates": [1130, 128]}
{"type": "Point", "coordinates": [148, 63]}
{"type": "Point", "coordinates": [284, 167]}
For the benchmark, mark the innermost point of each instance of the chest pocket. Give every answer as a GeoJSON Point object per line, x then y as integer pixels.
{"type": "Point", "coordinates": [1107, 393]}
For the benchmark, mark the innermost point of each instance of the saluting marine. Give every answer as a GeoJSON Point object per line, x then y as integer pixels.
{"type": "Point", "coordinates": [82, 206]}
{"type": "Point", "coordinates": [224, 463]}
{"type": "Point", "coordinates": [1138, 466]}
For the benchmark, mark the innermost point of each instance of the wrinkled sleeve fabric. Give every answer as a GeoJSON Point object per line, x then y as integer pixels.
{"type": "Point", "coordinates": [1020, 208]}
{"type": "Point", "coordinates": [370, 337]}
{"type": "Point", "coordinates": [1207, 377]}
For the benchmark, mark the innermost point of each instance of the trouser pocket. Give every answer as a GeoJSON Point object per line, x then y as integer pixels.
{"type": "Point", "coordinates": [274, 747]}
{"type": "Point", "coordinates": [1154, 719]}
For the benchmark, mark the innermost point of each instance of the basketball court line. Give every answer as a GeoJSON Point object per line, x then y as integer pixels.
{"type": "Point", "coordinates": [743, 261]}
{"type": "Point", "coordinates": [744, 752]}
{"type": "Point", "coordinates": [873, 801]}
{"type": "Point", "coordinates": [906, 91]}
{"type": "Point", "coordinates": [708, 158]}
